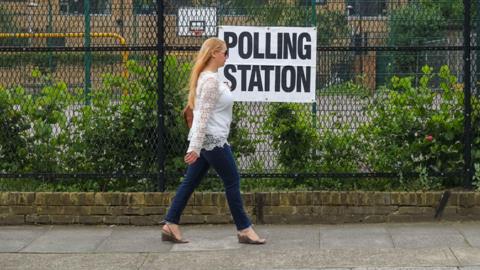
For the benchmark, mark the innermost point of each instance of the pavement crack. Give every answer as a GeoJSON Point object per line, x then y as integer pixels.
{"type": "Point", "coordinates": [144, 260]}
{"type": "Point", "coordinates": [390, 236]}
{"type": "Point", "coordinates": [463, 235]}
{"type": "Point", "coordinates": [104, 240]}
{"type": "Point", "coordinates": [455, 256]}
{"type": "Point", "coordinates": [33, 240]}
{"type": "Point", "coordinates": [320, 238]}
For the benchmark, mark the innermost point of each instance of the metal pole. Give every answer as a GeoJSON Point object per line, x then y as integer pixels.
{"type": "Point", "coordinates": [134, 23]}
{"type": "Point", "coordinates": [314, 104]}
{"type": "Point", "coordinates": [88, 52]}
{"type": "Point", "coordinates": [31, 6]}
{"type": "Point", "coordinates": [160, 100]}
{"type": "Point", "coordinates": [477, 43]}
{"type": "Point", "coordinates": [122, 18]}
{"type": "Point", "coordinates": [49, 30]}
{"type": "Point", "coordinates": [467, 155]}
{"type": "Point", "coordinates": [360, 30]}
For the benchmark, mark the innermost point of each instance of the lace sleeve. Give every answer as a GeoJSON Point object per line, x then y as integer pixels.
{"type": "Point", "coordinates": [209, 94]}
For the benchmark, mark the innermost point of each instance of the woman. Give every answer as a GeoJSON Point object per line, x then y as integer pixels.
{"type": "Point", "coordinates": [212, 104]}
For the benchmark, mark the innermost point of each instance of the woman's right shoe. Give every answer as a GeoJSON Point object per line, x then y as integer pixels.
{"type": "Point", "coordinates": [244, 239]}
{"type": "Point", "coordinates": [170, 237]}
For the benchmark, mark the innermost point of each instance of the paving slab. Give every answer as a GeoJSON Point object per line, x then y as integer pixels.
{"type": "Point", "coordinates": [400, 246]}
{"type": "Point", "coordinates": [471, 232]}
{"type": "Point", "coordinates": [467, 256]}
{"type": "Point", "coordinates": [264, 258]}
{"type": "Point", "coordinates": [202, 244]}
{"type": "Point", "coordinates": [134, 239]}
{"type": "Point", "coordinates": [293, 236]}
{"type": "Point", "coordinates": [405, 268]}
{"type": "Point", "coordinates": [355, 236]}
{"type": "Point", "coordinates": [15, 238]}
{"type": "Point", "coordinates": [428, 235]}
{"type": "Point", "coordinates": [208, 237]}
{"type": "Point", "coordinates": [98, 261]}
{"type": "Point", "coordinates": [69, 239]}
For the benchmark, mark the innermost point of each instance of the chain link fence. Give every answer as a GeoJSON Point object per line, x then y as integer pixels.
{"type": "Point", "coordinates": [82, 105]}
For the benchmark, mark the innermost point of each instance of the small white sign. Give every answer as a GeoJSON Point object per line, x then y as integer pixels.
{"type": "Point", "coordinates": [270, 64]}
{"type": "Point", "coordinates": [197, 21]}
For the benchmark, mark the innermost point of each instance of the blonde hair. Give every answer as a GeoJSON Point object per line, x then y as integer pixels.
{"type": "Point", "coordinates": [209, 46]}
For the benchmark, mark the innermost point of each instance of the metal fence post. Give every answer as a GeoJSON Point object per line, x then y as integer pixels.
{"type": "Point", "coordinates": [160, 99]}
{"type": "Point", "coordinates": [467, 155]}
{"type": "Point", "coordinates": [477, 42]}
{"type": "Point", "coordinates": [313, 23]}
{"type": "Point", "coordinates": [49, 41]}
{"type": "Point", "coordinates": [88, 52]}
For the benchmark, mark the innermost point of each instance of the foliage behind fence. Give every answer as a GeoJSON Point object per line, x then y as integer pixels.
{"type": "Point", "coordinates": [390, 96]}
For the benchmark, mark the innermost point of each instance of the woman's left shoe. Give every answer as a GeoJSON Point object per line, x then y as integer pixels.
{"type": "Point", "coordinates": [170, 237]}
{"type": "Point", "coordinates": [244, 239]}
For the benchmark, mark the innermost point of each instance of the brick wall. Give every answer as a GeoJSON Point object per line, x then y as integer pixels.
{"type": "Point", "coordinates": [276, 207]}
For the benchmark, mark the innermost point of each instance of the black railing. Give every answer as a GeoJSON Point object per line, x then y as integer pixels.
{"type": "Point", "coordinates": [132, 129]}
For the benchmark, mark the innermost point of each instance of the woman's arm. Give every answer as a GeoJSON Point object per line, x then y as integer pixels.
{"type": "Point", "coordinates": [209, 95]}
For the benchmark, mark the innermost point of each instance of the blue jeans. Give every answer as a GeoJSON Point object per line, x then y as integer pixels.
{"type": "Point", "coordinates": [221, 159]}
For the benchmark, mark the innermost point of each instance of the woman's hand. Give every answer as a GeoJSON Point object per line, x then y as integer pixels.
{"type": "Point", "coordinates": [190, 157]}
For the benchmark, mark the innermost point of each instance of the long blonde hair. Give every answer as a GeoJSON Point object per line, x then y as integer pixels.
{"type": "Point", "coordinates": [209, 46]}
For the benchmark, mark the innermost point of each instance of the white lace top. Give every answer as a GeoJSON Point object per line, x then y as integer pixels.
{"type": "Point", "coordinates": [212, 114]}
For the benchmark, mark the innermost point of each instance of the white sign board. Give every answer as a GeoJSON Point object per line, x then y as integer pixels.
{"type": "Point", "coordinates": [270, 64]}
{"type": "Point", "coordinates": [197, 21]}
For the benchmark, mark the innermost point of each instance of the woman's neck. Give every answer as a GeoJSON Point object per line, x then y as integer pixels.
{"type": "Point", "coordinates": [211, 68]}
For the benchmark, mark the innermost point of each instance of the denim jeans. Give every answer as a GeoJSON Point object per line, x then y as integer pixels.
{"type": "Point", "coordinates": [221, 159]}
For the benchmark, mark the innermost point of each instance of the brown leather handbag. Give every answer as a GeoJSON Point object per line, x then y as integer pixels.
{"type": "Point", "coordinates": [188, 116]}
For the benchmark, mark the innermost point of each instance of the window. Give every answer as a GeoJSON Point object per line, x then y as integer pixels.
{"type": "Point", "coordinates": [75, 7]}
{"type": "Point", "coordinates": [367, 7]}
{"type": "Point", "coordinates": [144, 7]}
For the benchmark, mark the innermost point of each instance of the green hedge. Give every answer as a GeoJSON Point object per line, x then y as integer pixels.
{"type": "Point", "coordinates": [408, 129]}
{"type": "Point", "coordinates": [54, 132]}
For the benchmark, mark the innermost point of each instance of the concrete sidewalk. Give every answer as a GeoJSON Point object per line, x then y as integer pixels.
{"type": "Point", "coordinates": [445, 246]}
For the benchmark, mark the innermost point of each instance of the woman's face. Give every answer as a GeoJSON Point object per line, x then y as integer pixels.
{"type": "Point", "coordinates": [220, 56]}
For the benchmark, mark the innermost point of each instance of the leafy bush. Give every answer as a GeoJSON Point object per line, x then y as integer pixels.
{"type": "Point", "coordinates": [126, 132]}
{"type": "Point", "coordinates": [293, 135]}
{"type": "Point", "coordinates": [347, 88]}
{"type": "Point", "coordinates": [452, 10]}
{"type": "Point", "coordinates": [415, 129]}
{"type": "Point", "coordinates": [476, 176]}
{"type": "Point", "coordinates": [14, 124]}
{"type": "Point", "coordinates": [36, 133]}
{"type": "Point", "coordinates": [408, 130]}
{"type": "Point", "coordinates": [52, 132]}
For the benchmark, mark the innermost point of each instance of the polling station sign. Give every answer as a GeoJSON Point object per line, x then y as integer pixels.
{"type": "Point", "coordinates": [270, 64]}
